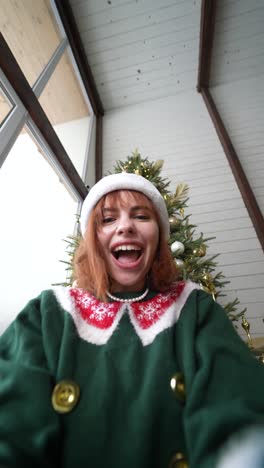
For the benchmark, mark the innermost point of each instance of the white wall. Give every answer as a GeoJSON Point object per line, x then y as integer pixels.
{"type": "Point", "coordinates": [179, 131]}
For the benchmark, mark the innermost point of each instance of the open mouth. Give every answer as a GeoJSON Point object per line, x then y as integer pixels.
{"type": "Point", "coordinates": [127, 253]}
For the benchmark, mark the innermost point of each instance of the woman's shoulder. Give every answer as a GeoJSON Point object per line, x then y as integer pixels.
{"type": "Point", "coordinates": [36, 312]}
{"type": "Point", "coordinates": [182, 289]}
{"type": "Point", "coordinates": [44, 303]}
{"type": "Point", "coordinates": [40, 322]}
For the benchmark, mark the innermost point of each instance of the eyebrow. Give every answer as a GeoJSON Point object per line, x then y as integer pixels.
{"type": "Point", "coordinates": [105, 210]}
{"type": "Point", "coordinates": [140, 207]}
{"type": "Point", "coordinates": [134, 208]}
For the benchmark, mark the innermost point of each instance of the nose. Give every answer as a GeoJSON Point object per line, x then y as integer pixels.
{"type": "Point", "coordinates": [125, 226]}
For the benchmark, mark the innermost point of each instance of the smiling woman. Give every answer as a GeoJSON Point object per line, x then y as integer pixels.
{"type": "Point", "coordinates": [125, 238]}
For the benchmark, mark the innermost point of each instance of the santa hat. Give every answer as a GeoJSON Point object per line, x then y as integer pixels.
{"type": "Point", "coordinates": [125, 181]}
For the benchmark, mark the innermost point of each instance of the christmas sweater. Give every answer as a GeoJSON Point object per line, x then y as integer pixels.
{"type": "Point", "coordinates": [124, 359]}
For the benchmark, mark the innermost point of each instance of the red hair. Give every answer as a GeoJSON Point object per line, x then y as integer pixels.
{"type": "Point", "coordinates": [89, 263]}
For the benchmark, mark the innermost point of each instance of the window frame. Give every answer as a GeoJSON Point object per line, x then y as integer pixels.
{"type": "Point", "coordinates": [28, 112]}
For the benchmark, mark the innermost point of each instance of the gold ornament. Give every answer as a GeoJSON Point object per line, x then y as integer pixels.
{"type": "Point", "coordinates": [204, 288]}
{"type": "Point", "coordinates": [246, 327]}
{"type": "Point", "coordinates": [181, 210]}
{"type": "Point", "coordinates": [174, 222]}
{"type": "Point", "coordinates": [137, 171]}
{"type": "Point", "coordinates": [200, 251]}
{"type": "Point", "coordinates": [207, 278]}
{"type": "Point", "coordinates": [179, 263]}
{"type": "Point", "coordinates": [210, 289]}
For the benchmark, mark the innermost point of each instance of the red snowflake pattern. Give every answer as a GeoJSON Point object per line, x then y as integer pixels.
{"type": "Point", "coordinates": [102, 314]}
{"type": "Point", "coordinates": [96, 313]}
{"type": "Point", "coordinates": [149, 312]}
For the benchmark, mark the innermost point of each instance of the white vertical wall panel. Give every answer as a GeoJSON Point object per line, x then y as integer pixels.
{"type": "Point", "coordinates": [179, 131]}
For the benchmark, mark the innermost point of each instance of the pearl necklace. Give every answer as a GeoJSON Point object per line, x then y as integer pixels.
{"type": "Point", "coordinates": [133, 299]}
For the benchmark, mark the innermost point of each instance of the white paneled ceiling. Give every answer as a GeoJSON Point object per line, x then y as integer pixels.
{"type": "Point", "coordinates": [140, 50]}
{"type": "Point", "coordinates": [239, 41]}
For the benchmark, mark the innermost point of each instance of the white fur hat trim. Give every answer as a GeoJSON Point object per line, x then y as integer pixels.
{"type": "Point", "coordinates": [125, 181]}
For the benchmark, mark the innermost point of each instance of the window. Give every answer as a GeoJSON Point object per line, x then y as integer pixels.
{"type": "Point", "coordinates": [64, 104]}
{"type": "Point", "coordinates": [49, 67]}
{"type": "Point", "coordinates": [31, 32]}
{"type": "Point", "coordinates": [36, 213]}
{"type": "Point", "coordinates": [43, 150]}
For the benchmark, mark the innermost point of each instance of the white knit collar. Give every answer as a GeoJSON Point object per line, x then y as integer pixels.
{"type": "Point", "coordinates": [96, 321]}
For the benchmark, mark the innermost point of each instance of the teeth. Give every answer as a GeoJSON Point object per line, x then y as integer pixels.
{"type": "Point", "coordinates": [126, 247]}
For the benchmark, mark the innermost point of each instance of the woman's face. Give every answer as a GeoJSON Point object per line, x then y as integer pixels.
{"type": "Point", "coordinates": [128, 233]}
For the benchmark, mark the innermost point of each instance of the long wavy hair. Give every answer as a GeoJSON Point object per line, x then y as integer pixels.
{"type": "Point", "coordinates": [90, 270]}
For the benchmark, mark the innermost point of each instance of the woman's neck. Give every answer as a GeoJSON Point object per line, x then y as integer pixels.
{"type": "Point", "coordinates": [128, 296]}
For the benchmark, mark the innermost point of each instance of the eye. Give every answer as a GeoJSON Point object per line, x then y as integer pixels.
{"type": "Point", "coordinates": [142, 217]}
{"type": "Point", "coordinates": [108, 219]}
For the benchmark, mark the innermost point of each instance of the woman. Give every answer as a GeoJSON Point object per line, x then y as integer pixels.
{"type": "Point", "coordinates": [129, 368]}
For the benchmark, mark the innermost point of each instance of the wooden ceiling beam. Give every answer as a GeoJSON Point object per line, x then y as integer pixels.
{"type": "Point", "coordinates": [207, 26]}
{"type": "Point", "coordinates": [21, 86]}
{"type": "Point", "coordinates": [236, 167]}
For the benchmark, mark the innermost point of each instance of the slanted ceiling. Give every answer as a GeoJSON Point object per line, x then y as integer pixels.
{"type": "Point", "coordinates": [139, 50]}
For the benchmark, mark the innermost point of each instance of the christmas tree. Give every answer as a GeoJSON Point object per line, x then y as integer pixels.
{"type": "Point", "coordinates": [188, 249]}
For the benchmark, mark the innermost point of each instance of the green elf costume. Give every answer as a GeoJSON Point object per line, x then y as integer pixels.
{"type": "Point", "coordinates": [153, 380]}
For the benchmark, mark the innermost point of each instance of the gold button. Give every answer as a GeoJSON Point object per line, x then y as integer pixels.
{"type": "Point", "coordinates": [65, 396]}
{"type": "Point", "coordinates": [178, 386]}
{"type": "Point", "coordinates": [178, 461]}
